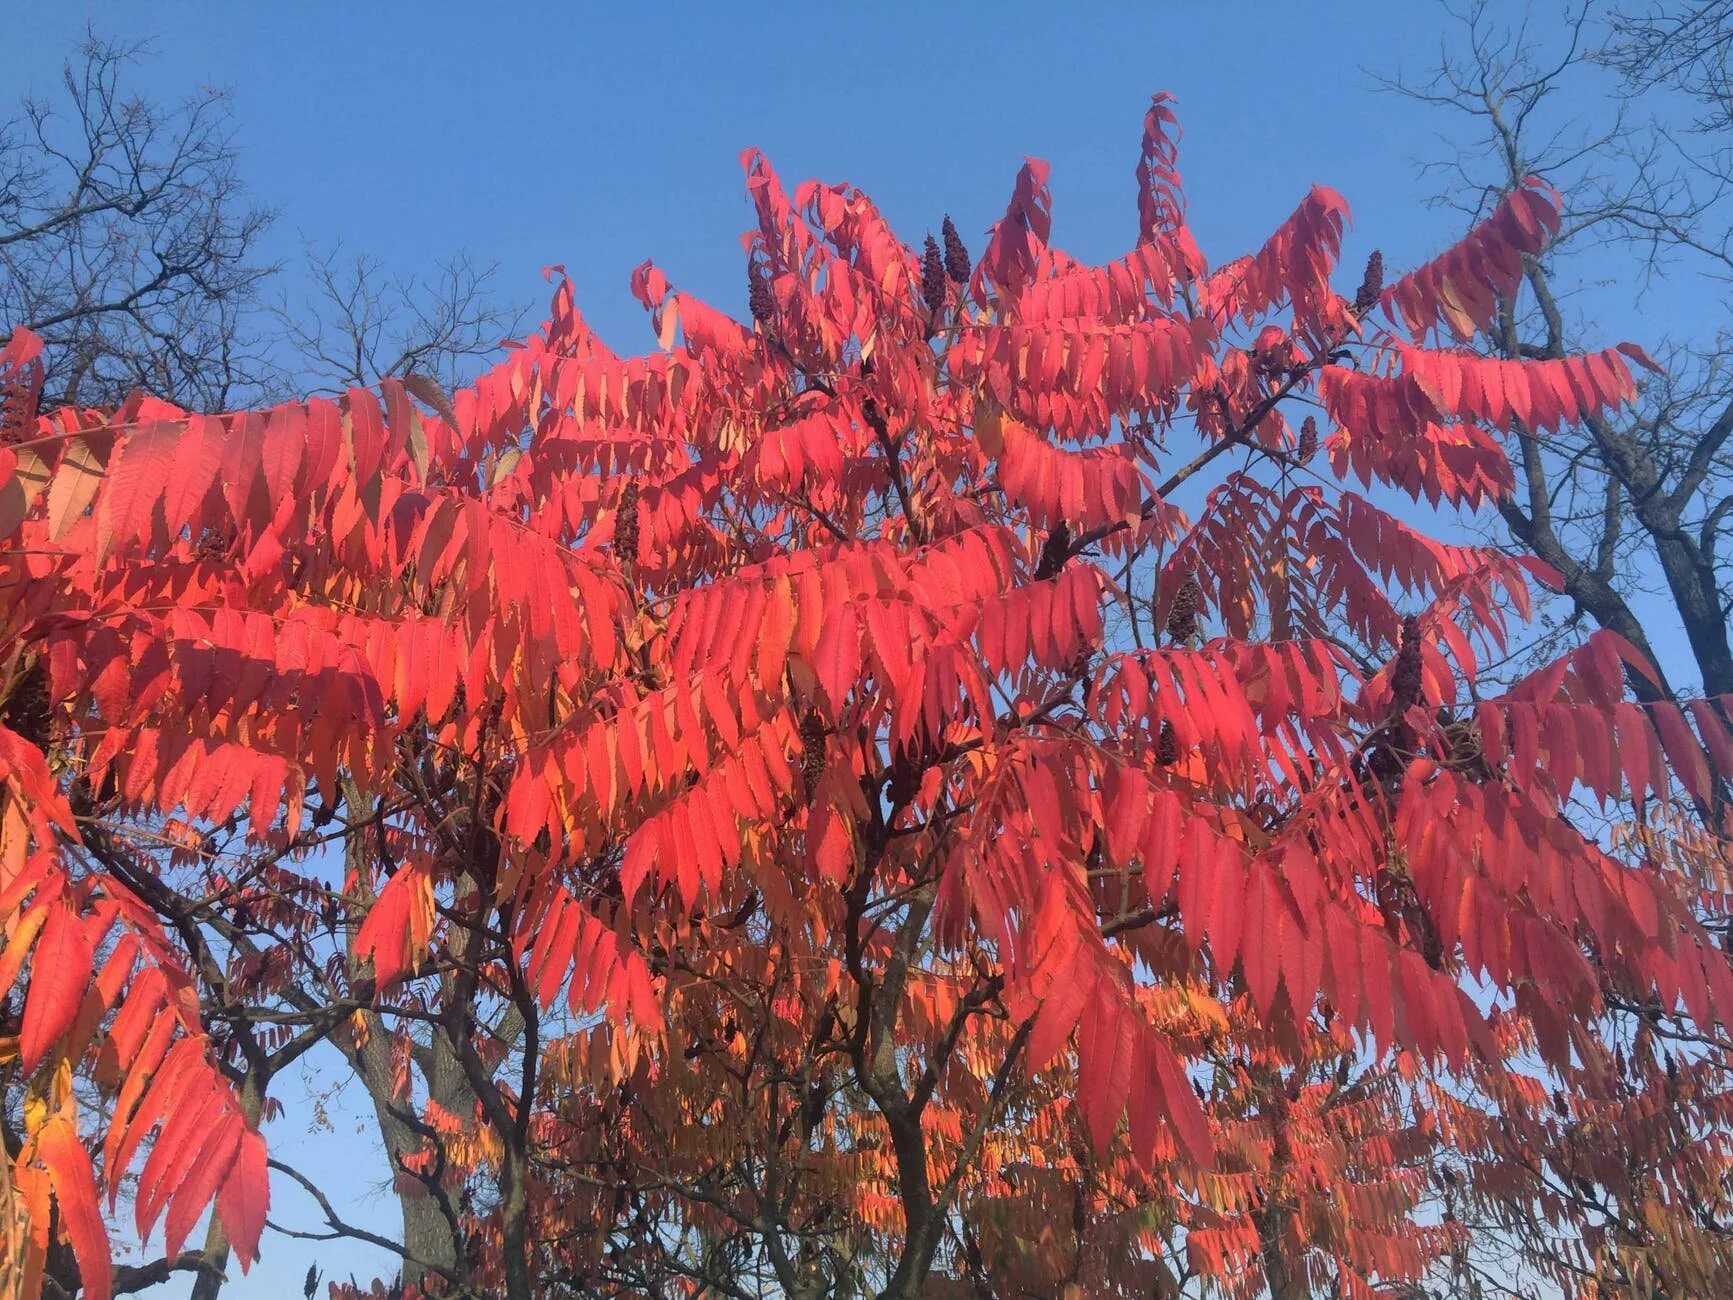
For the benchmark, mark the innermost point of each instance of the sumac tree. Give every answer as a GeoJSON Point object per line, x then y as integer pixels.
{"type": "Point", "coordinates": [967, 783]}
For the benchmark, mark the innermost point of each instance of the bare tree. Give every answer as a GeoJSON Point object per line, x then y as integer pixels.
{"type": "Point", "coordinates": [1633, 511]}
{"type": "Point", "coordinates": [1684, 47]}
{"type": "Point", "coordinates": [354, 322]}
{"type": "Point", "coordinates": [128, 242]}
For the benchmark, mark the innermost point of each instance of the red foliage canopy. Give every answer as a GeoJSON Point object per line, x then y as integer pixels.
{"type": "Point", "coordinates": [1081, 746]}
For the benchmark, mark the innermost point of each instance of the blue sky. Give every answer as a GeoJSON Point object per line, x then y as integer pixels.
{"type": "Point", "coordinates": [596, 136]}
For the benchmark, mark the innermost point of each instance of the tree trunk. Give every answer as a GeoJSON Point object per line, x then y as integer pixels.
{"type": "Point", "coordinates": [429, 1233]}
{"type": "Point", "coordinates": [1285, 1274]}
{"type": "Point", "coordinates": [429, 1236]}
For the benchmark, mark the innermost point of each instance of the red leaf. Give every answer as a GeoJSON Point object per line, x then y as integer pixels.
{"type": "Point", "coordinates": [68, 1165]}
{"type": "Point", "coordinates": [60, 972]}
{"type": "Point", "coordinates": [143, 466]}
{"type": "Point", "coordinates": [1182, 1105]}
{"type": "Point", "coordinates": [245, 1196]}
{"type": "Point", "coordinates": [216, 1153]}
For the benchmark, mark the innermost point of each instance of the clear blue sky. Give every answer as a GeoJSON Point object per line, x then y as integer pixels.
{"type": "Point", "coordinates": [596, 136]}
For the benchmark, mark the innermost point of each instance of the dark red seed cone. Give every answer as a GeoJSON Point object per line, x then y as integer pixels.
{"type": "Point", "coordinates": [933, 277]}
{"type": "Point", "coordinates": [956, 256]}
{"type": "Point", "coordinates": [1371, 286]}
{"type": "Point", "coordinates": [1182, 620]}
